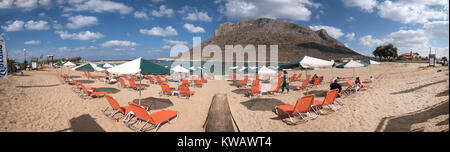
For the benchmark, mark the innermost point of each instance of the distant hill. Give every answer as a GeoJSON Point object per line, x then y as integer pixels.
{"type": "Point", "coordinates": [293, 40]}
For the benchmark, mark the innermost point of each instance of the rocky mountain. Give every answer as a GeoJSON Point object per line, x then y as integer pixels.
{"type": "Point", "coordinates": [293, 40]}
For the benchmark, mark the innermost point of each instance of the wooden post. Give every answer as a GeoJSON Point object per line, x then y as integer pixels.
{"type": "Point", "coordinates": [219, 117]}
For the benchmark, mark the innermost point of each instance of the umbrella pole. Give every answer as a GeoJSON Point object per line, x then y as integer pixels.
{"type": "Point", "coordinates": [140, 84]}
{"type": "Point", "coordinates": [307, 81]}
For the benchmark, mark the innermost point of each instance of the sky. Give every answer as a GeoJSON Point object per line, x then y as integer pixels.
{"type": "Point", "coordinates": [127, 29]}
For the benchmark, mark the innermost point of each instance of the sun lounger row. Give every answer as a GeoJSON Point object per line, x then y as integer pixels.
{"type": "Point", "coordinates": [137, 117]}
{"type": "Point", "coordinates": [306, 104]}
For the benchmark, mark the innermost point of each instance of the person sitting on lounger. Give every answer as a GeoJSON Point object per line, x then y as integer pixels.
{"type": "Point", "coordinates": [358, 83]}
{"type": "Point", "coordinates": [335, 85]}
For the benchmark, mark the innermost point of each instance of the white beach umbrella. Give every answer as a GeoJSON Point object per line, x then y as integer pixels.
{"type": "Point", "coordinates": [265, 70]}
{"type": "Point", "coordinates": [192, 68]}
{"type": "Point", "coordinates": [179, 69]}
{"type": "Point", "coordinates": [69, 64]}
{"type": "Point", "coordinates": [139, 65]}
{"type": "Point", "coordinates": [242, 69]}
{"type": "Point", "coordinates": [107, 65]}
{"type": "Point", "coordinates": [351, 64]}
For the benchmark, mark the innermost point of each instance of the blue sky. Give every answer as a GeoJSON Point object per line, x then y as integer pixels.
{"type": "Point", "coordinates": [127, 29]}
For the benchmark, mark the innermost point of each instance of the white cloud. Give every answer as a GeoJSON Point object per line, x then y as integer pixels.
{"type": "Point", "coordinates": [119, 45]}
{"type": "Point", "coordinates": [84, 36]}
{"type": "Point", "coordinates": [406, 40]}
{"type": "Point", "coordinates": [97, 6]}
{"type": "Point", "coordinates": [158, 31]}
{"type": "Point", "coordinates": [24, 4]}
{"type": "Point", "coordinates": [194, 29]}
{"type": "Point", "coordinates": [437, 29]}
{"type": "Point", "coordinates": [365, 5]}
{"type": "Point", "coordinates": [155, 1]}
{"type": "Point", "coordinates": [6, 3]}
{"type": "Point", "coordinates": [350, 19]}
{"type": "Point", "coordinates": [38, 25]}
{"type": "Point", "coordinates": [175, 42]}
{"type": "Point", "coordinates": [163, 11]}
{"type": "Point", "coordinates": [140, 14]}
{"type": "Point", "coordinates": [79, 21]}
{"type": "Point", "coordinates": [11, 26]}
{"type": "Point", "coordinates": [19, 25]}
{"type": "Point", "coordinates": [332, 31]}
{"type": "Point", "coordinates": [32, 42]}
{"type": "Point", "coordinates": [370, 42]}
{"type": "Point", "coordinates": [251, 9]}
{"type": "Point", "coordinates": [413, 11]}
{"type": "Point", "coordinates": [197, 16]}
{"type": "Point", "coordinates": [170, 43]}
{"type": "Point", "coordinates": [350, 36]}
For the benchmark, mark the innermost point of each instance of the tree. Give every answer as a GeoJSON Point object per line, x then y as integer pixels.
{"type": "Point", "coordinates": [444, 59]}
{"type": "Point", "coordinates": [386, 51]}
{"type": "Point", "coordinates": [10, 64]}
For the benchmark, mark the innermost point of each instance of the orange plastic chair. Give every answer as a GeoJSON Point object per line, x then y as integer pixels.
{"type": "Point", "coordinates": [185, 91]}
{"type": "Point", "coordinates": [303, 105]}
{"type": "Point", "coordinates": [125, 76]}
{"type": "Point", "coordinates": [134, 86]}
{"type": "Point", "coordinates": [155, 119]}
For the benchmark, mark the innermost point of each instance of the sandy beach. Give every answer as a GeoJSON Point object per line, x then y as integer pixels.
{"type": "Point", "coordinates": [407, 98]}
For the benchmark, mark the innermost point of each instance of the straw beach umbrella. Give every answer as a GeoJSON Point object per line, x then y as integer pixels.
{"type": "Point", "coordinates": [141, 66]}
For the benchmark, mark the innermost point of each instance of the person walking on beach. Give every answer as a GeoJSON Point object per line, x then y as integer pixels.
{"type": "Point", "coordinates": [285, 82]}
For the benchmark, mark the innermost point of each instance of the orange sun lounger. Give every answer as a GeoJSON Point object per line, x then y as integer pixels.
{"type": "Point", "coordinates": [166, 90]}
{"type": "Point", "coordinates": [92, 93]}
{"type": "Point", "coordinates": [155, 119]}
{"type": "Point", "coordinates": [329, 101]}
{"type": "Point", "coordinates": [303, 105]}
{"type": "Point", "coordinates": [256, 89]}
{"type": "Point", "coordinates": [185, 91]}
{"type": "Point", "coordinates": [134, 86]}
{"type": "Point", "coordinates": [116, 108]}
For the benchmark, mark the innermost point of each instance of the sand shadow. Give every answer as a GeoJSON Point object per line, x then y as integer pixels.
{"type": "Point", "coordinates": [108, 90]}
{"type": "Point", "coordinates": [75, 77]}
{"type": "Point", "coordinates": [240, 91]}
{"type": "Point", "coordinates": [38, 86]}
{"type": "Point", "coordinates": [145, 85]}
{"type": "Point", "coordinates": [444, 93]}
{"type": "Point", "coordinates": [83, 123]}
{"type": "Point", "coordinates": [155, 103]}
{"type": "Point", "coordinates": [267, 104]}
{"type": "Point", "coordinates": [316, 93]}
{"type": "Point", "coordinates": [404, 123]}
{"type": "Point", "coordinates": [85, 81]}
{"type": "Point", "coordinates": [419, 87]}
